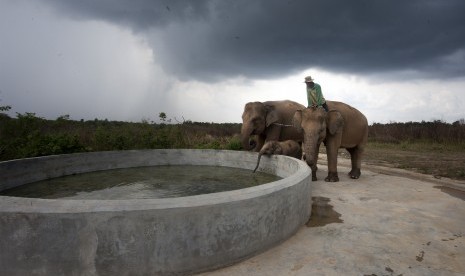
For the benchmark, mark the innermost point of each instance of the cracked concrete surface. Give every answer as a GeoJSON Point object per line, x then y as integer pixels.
{"type": "Point", "coordinates": [391, 222]}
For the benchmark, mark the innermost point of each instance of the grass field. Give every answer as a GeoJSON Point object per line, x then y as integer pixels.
{"type": "Point", "coordinates": [437, 159]}
{"type": "Point", "coordinates": [430, 158]}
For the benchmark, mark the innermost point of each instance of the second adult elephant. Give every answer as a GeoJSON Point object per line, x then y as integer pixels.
{"type": "Point", "coordinates": [342, 127]}
{"type": "Point", "coordinates": [270, 121]}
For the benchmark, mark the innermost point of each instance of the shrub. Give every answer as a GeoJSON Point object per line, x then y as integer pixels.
{"type": "Point", "coordinates": [234, 144]}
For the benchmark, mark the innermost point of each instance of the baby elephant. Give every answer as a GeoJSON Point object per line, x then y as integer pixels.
{"type": "Point", "coordinates": [288, 147]}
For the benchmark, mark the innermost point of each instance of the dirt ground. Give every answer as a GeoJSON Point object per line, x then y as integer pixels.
{"type": "Point", "coordinates": [438, 164]}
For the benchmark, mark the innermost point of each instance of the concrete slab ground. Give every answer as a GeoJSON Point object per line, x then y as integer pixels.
{"type": "Point", "coordinates": [388, 222]}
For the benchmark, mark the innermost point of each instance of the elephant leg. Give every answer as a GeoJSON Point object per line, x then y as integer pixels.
{"type": "Point", "coordinates": [314, 167]}
{"type": "Point", "coordinates": [332, 164]}
{"type": "Point", "coordinates": [356, 160]}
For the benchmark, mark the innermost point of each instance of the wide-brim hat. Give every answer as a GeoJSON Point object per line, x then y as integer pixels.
{"type": "Point", "coordinates": [308, 79]}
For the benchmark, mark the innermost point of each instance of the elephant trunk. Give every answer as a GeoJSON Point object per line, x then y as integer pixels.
{"type": "Point", "coordinates": [258, 162]}
{"type": "Point", "coordinates": [246, 132]}
{"type": "Point", "coordinates": [311, 152]}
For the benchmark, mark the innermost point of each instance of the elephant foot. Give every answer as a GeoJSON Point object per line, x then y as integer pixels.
{"type": "Point", "coordinates": [332, 177]}
{"type": "Point", "coordinates": [314, 176]}
{"type": "Point", "coordinates": [355, 173]}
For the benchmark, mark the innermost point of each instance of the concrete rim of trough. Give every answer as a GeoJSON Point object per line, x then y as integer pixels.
{"type": "Point", "coordinates": [19, 204]}
{"type": "Point", "coordinates": [148, 236]}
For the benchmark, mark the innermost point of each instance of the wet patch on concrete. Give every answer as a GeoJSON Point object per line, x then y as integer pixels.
{"type": "Point", "coordinates": [452, 192]}
{"type": "Point", "coordinates": [322, 213]}
{"type": "Point", "coordinates": [387, 269]}
{"type": "Point", "coordinates": [452, 238]}
{"type": "Point", "coordinates": [420, 256]}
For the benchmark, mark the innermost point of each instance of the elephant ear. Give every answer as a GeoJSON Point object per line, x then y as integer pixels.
{"type": "Point", "coordinates": [271, 115]}
{"type": "Point", "coordinates": [334, 122]}
{"type": "Point", "coordinates": [297, 120]}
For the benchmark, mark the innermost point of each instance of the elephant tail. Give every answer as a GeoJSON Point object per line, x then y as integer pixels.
{"type": "Point", "coordinates": [258, 162]}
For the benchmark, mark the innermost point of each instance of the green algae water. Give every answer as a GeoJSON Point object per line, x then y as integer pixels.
{"type": "Point", "coordinates": [143, 182]}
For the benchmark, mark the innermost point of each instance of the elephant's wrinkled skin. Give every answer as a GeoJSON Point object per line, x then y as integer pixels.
{"type": "Point", "coordinates": [342, 127]}
{"type": "Point", "coordinates": [266, 120]}
{"type": "Point", "coordinates": [288, 147]}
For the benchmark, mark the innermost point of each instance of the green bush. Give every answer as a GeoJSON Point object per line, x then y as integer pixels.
{"type": "Point", "coordinates": [37, 144]}
{"type": "Point", "coordinates": [234, 144]}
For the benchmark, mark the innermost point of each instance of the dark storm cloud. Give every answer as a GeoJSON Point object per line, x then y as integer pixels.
{"type": "Point", "coordinates": [138, 14]}
{"type": "Point", "coordinates": [213, 39]}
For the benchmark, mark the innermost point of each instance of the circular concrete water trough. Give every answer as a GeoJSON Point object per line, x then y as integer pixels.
{"type": "Point", "coordinates": [147, 236]}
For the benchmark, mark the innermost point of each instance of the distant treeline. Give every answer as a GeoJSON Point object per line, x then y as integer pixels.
{"type": "Point", "coordinates": [435, 131]}
{"type": "Point", "coordinates": [30, 136]}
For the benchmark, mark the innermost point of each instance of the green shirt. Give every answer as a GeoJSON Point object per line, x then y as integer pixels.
{"type": "Point", "coordinates": [314, 95]}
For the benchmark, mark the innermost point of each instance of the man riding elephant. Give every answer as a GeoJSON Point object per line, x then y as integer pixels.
{"type": "Point", "coordinates": [314, 94]}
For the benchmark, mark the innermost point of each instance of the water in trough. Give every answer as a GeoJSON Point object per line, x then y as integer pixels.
{"type": "Point", "coordinates": [143, 182]}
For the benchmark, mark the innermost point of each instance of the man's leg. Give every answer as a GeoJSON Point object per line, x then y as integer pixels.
{"type": "Point", "coordinates": [325, 107]}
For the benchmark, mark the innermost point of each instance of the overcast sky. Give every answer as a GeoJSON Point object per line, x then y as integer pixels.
{"type": "Point", "coordinates": [202, 60]}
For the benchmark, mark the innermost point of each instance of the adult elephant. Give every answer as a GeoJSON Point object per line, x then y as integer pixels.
{"type": "Point", "coordinates": [342, 127]}
{"type": "Point", "coordinates": [270, 121]}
